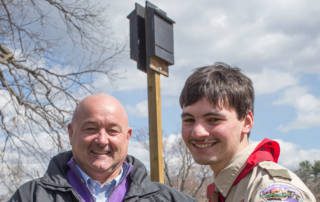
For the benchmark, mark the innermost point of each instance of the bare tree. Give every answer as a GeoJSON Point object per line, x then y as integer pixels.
{"type": "Point", "coordinates": [180, 170]}
{"type": "Point", "coordinates": [183, 173]}
{"type": "Point", "coordinates": [50, 52]}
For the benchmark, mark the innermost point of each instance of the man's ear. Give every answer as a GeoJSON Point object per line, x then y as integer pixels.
{"type": "Point", "coordinates": [248, 123]}
{"type": "Point", "coordinates": [129, 133]}
{"type": "Point", "coordinates": [70, 132]}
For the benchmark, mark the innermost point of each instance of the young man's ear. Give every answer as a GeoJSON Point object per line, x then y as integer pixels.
{"type": "Point", "coordinates": [248, 123]}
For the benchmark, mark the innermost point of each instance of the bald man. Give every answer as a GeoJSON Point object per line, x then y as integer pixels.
{"type": "Point", "coordinates": [98, 168]}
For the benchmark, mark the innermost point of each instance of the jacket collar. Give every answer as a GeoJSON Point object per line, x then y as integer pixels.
{"type": "Point", "coordinates": [56, 176]}
{"type": "Point", "coordinates": [140, 182]}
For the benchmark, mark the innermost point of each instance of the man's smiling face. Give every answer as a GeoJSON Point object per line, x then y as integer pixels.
{"type": "Point", "coordinates": [214, 134]}
{"type": "Point", "coordinates": [99, 136]}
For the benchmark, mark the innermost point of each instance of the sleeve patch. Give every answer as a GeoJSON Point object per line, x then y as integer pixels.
{"type": "Point", "coordinates": [281, 192]}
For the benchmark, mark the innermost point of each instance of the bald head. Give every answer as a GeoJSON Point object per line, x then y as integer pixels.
{"type": "Point", "coordinates": [100, 100]}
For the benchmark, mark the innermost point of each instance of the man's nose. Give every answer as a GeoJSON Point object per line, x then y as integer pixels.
{"type": "Point", "coordinates": [102, 138]}
{"type": "Point", "coordinates": [200, 130]}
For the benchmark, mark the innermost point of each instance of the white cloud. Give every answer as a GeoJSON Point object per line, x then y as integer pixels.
{"type": "Point", "coordinates": [128, 78]}
{"type": "Point", "coordinates": [172, 138]}
{"type": "Point", "coordinates": [306, 105]}
{"type": "Point", "coordinates": [4, 98]}
{"type": "Point", "coordinates": [139, 110]}
{"type": "Point", "coordinates": [139, 151]}
{"type": "Point", "coordinates": [171, 86]}
{"type": "Point", "coordinates": [265, 37]}
{"type": "Point", "coordinates": [34, 147]}
{"type": "Point", "coordinates": [34, 154]}
{"type": "Point", "coordinates": [293, 94]}
{"type": "Point", "coordinates": [291, 154]}
{"type": "Point", "coordinates": [270, 81]}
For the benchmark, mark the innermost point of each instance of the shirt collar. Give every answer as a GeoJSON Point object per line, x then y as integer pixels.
{"type": "Point", "coordinates": [102, 192]}
{"type": "Point", "coordinates": [227, 176]}
{"type": "Point", "coordinates": [88, 179]}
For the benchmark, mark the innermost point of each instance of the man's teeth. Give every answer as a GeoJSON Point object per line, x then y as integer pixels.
{"type": "Point", "coordinates": [101, 153]}
{"type": "Point", "coordinates": [203, 145]}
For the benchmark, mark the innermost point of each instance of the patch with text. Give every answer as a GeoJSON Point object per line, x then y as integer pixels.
{"type": "Point", "coordinates": [281, 192]}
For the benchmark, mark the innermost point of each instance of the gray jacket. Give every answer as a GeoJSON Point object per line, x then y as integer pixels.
{"type": "Point", "coordinates": [53, 186]}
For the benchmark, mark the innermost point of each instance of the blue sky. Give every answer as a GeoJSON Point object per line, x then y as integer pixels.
{"type": "Point", "coordinates": [275, 42]}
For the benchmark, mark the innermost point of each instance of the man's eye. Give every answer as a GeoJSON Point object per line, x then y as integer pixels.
{"type": "Point", "coordinates": [90, 129]}
{"type": "Point", "coordinates": [114, 131]}
{"type": "Point", "coordinates": [187, 120]}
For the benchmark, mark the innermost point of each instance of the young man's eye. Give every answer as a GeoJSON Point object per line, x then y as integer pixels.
{"type": "Point", "coordinates": [187, 120]}
{"type": "Point", "coordinates": [213, 120]}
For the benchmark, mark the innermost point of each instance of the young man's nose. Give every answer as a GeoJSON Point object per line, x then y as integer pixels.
{"type": "Point", "coordinates": [200, 130]}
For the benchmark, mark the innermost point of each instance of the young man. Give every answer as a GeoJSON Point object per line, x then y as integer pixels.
{"type": "Point", "coordinates": [98, 167]}
{"type": "Point", "coordinates": [217, 116]}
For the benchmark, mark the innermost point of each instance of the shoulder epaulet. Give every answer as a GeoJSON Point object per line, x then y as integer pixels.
{"type": "Point", "coordinates": [275, 170]}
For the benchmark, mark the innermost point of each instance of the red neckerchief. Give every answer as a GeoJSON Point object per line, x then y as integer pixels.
{"type": "Point", "coordinates": [267, 150]}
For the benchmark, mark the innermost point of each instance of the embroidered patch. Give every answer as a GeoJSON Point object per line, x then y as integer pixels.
{"type": "Point", "coordinates": [281, 192]}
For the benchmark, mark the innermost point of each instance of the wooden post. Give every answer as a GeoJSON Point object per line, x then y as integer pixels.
{"type": "Point", "coordinates": [155, 124]}
{"type": "Point", "coordinates": [151, 45]}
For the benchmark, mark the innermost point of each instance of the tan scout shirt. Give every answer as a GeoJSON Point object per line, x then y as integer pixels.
{"type": "Point", "coordinates": [267, 182]}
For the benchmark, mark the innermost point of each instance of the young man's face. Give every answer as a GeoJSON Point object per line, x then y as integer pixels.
{"type": "Point", "coordinates": [214, 134]}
